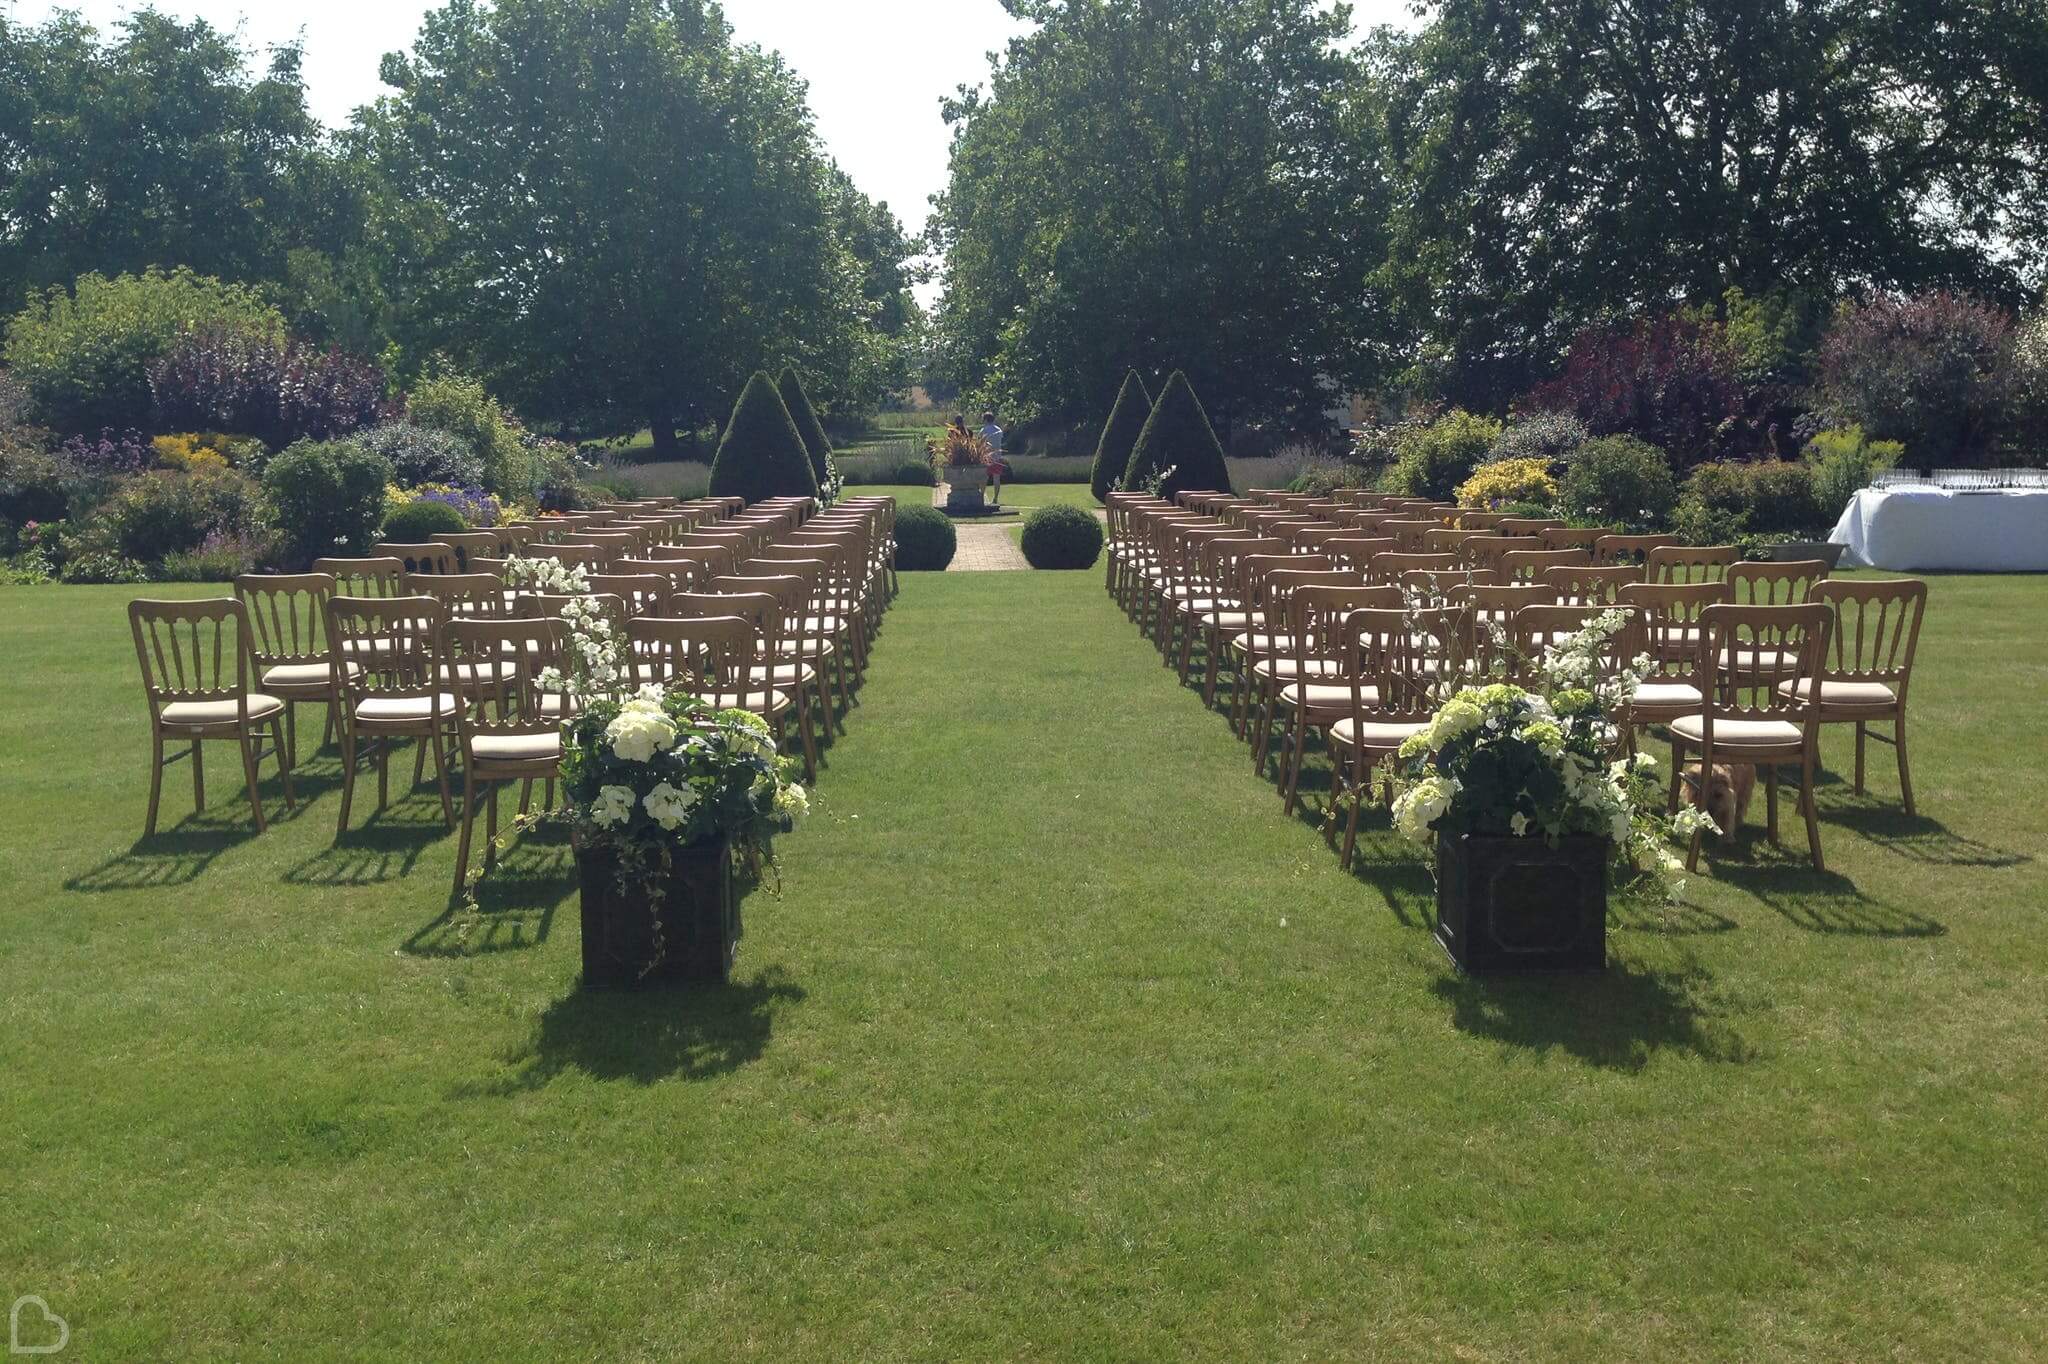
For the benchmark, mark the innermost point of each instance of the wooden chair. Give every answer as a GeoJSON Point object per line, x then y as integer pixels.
{"type": "Point", "coordinates": [750, 688]}
{"type": "Point", "coordinates": [1485, 552]}
{"type": "Point", "coordinates": [428, 557]}
{"type": "Point", "coordinates": [520, 738]}
{"type": "Point", "coordinates": [1572, 537]}
{"type": "Point", "coordinates": [1319, 694]}
{"type": "Point", "coordinates": [1528, 565]}
{"type": "Point", "coordinates": [197, 668]}
{"type": "Point", "coordinates": [1387, 568]}
{"type": "Point", "coordinates": [1671, 635]}
{"type": "Point", "coordinates": [1873, 634]}
{"type": "Point", "coordinates": [468, 544]}
{"type": "Point", "coordinates": [1748, 717]}
{"type": "Point", "coordinates": [400, 695]}
{"type": "Point", "coordinates": [1402, 661]}
{"type": "Point", "coordinates": [1410, 534]}
{"type": "Point", "coordinates": [1777, 583]}
{"type": "Point", "coordinates": [1528, 526]}
{"type": "Point", "coordinates": [1539, 628]}
{"type": "Point", "coordinates": [378, 577]}
{"type": "Point", "coordinates": [1356, 552]}
{"type": "Point", "coordinates": [1689, 563]}
{"type": "Point", "coordinates": [1627, 549]}
{"type": "Point", "coordinates": [1590, 584]}
{"type": "Point", "coordinates": [643, 594]}
{"type": "Point", "coordinates": [287, 615]}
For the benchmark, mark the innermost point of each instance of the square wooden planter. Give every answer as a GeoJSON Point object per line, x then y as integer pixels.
{"type": "Point", "coordinates": [698, 912]}
{"type": "Point", "coordinates": [1519, 904]}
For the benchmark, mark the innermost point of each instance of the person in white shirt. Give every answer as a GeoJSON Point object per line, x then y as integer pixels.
{"type": "Point", "coordinates": [998, 467]}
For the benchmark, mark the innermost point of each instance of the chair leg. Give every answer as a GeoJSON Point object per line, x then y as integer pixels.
{"type": "Point", "coordinates": [198, 777]}
{"type": "Point", "coordinates": [1806, 773]}
{"type": "Point", "coordinates": [383, 771]}
{"type": "Point", "coordinates": [348, 777]}
{"type": "Point", "coordinates": [1290, 777]}
{"type": "Point", "coordinates": [1771, 801]}
{"type": "Point", "coordinates": [803, 729]}
{"type": "Point", "coordinates": [490, 821]}
{"type": "Point", "coordinates": [433, 740]}
{"type": "Point", "coordinates": [286, 760]}
{"type": "Point", "coordinates": [291, 730]}
{"type": "Point", "coordinates": [1861, 735]}
{"type": "Point", "coordinates": [1677, 761]}
{"type": "Point", "coordinates": [1356, 797]}
{"type": "Point", "coordinates": [419, 764]}
{"type": "Point", "coordinates": [468, 823]}
{"type": "Point", "coordinates": [156, 780]}
{"type": "Point", "coordinates": [247, 743]}
{"type": "Point", "coordinates": [1905, 775]}
{"type": "Point", "coordinates": [525, 794]}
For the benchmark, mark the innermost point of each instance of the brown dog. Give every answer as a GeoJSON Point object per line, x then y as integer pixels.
{"type": "Point", "coordinates": [1726, 793]}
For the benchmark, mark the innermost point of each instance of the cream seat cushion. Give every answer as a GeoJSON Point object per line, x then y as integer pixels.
{"type": "Point", "coordinates": [770, 701]}
{"type": "Point", "coordinates": [1288, 666]}
{"type": "Point", "coordinates": [1327, 696]}
{"type": "Point", "coordinates": [516, 748]}
{"type": "Point", "coordinates": [303, 674]}
{"type": "Point", "coordinates": [397, 709]}
{"type": "Point", "coordinates": [1740, 733]}
{"type": "Point", "coordinates": [1373, 733]}
{"type": "Point", "coordinates": [220, 712]}
{"type": "Point", "coordinates": [1875, 695]}
{"type": "Point", "coordinates": [785, 674]}
{"type": "Point", "coordinates": [1661, 694]}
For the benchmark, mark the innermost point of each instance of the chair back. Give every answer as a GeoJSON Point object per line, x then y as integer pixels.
{"type": "Point", "coordinates": [709, 559]}
{"type": "Point", "coordinates": [681, 574]}
{"type": "Point", "coordinates": [1540, 628]}
{"type": "Point", "coordinates": [469, 544]}
{"type": "Point", "coordinates": [1356, 552]}
{"type": "Point", "coordinates": [465, 595]}
{"type": "Point", "coordinates": [1689, 563]}
{"type": "Point", "coordinates": [1528, 565]}
{"type": "Point", "coordinates": [1875, 630]}
{"type": "Point", "coordinates": [1670, 615]}
{"type": "Point", "coordinates": [427, 557]}
{"type": "Point", "coordinates": [1388, 568]}
{"type": "Point", "coordinates": [1590, 584]}
{"type": "Point", "coordinates": [1778, 583]}
{"type": "Point", "coordinates": [379, 577]}
{"type": "Point", "coordinates": [1528, 526]}
{"type": "Point", "coordinates": [517, 651]}
{"type": "Point", "coordinates": [1486, 551]}
{"type": "Point", "coordinates": [392, 638]}
{"type": "Point", "coordinates": [287, 615]}
{"type": "Point", "coordinates": [1409, 533]}
{"type": "Point", "coordinates": [1571, 537]}
{"type": "Point", "coordinates": [1627, 549]}
{"type": "Point", "coordinates": [1747, 651]}
{"type": "Point", "coordinates": [640, 594]}
{"type": "Point", "coordinates": [193, 651]}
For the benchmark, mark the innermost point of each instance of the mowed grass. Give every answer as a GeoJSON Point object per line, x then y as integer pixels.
{"type": "Point", "coordinates": [1062, 1043]}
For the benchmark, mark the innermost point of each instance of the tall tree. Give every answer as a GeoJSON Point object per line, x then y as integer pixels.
{"type": "Point", "coordinates": [1565, 160]}
{"type": "Point", "coordinates": [154, 147]}
{"type": "Point", "coordinates": [1156, 184]}
{"type": "Point", "coordinates": [611, 207]}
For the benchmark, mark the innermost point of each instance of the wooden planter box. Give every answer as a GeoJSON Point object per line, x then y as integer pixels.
{"type": "Point", "coordinates": [1518, 904]}
{"type": "Point", "coordinates": [699, 916]}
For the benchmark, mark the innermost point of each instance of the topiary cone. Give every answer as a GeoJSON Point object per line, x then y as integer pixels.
{"type": "Point", "coordinates": [1178, 436]}
{"type": "Point", "coordinates": [1113, 451]}
{"type": "Point", "coordinates": [807, 424]}
{"type": "Point", "coordinates": [762, 454]}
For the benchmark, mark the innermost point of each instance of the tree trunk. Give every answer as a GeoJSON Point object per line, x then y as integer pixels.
{"type": "Point", "coordinates": [664, 428]}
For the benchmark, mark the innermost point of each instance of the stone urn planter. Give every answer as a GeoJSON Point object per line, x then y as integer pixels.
{"type": "Point", "coordinates": [695, 910]}
{"type": "Point", "coordinates": [1508, 904]}
{"type": "Point", "coordinates": [964, 486]}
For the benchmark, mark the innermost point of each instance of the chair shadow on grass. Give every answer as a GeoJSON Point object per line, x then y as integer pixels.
{"type": "Point", "coordinates": [1916, 838]}
{"type": "Point", "coordinates": [642, 1036]}
{"type": "Point", "coordinates": [172, 857]}
{"type": "Point", "coordinates": [515, 904]}
{"type": "Point", "coordinates": [1617, 1019]}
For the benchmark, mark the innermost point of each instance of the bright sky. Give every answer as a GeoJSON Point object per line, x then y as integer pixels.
{"type": "Point", "coordinates": [877, 68]}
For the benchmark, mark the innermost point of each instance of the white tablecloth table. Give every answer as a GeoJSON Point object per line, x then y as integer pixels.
{"type": "Point", "coordinates": [1934, 529]}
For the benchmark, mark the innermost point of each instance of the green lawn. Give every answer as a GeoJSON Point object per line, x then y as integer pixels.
{"type": "Point", "coordinates": [1062, 1043]}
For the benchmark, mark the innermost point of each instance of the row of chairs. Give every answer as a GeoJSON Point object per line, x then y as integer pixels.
{"type": "Point", "coordinates": [1359, 644]}
{"type": "Point", "coordinates": [453, 661]}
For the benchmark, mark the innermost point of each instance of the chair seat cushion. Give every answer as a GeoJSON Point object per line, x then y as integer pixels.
{"type": "Point", "coordinates": [1288, 666]}
{"type": "Point", "coordinates": [768, 702]}
{"type": "Point", "coordinates": [1847, 695]}
{"type": "Point", "coordinates": [1261, 643]}
{"type": "Point", "coordinates": [303, 674]}
{"type": "Point", "coordinates": [480, 674]}
{"type": "Point", "coordinates": [1765, 660]}
{"type": "Point", "coordinates": [784, 674]}
{"type": "Point", "coordinates": [1235, 619]}
{"type": "Point", "coordinates": [1327, 696]}
{"type": "Point", "coordinates": [1661, 694]}
{"type": "Point", "coordinates": [1373, 734]}
{"type": "Point", "coordinates": [261, 707]}
{"type": "Point", "coordinates": [516, 748]}
{"type": "Point", "coordinates": [398, 709]}
{"type": "Point", "coordinates": [1740, 733]}
{"type": "Point", "coordinates": [809, 647]}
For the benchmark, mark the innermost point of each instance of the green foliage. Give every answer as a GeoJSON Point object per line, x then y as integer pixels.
{"type": "Point", "coordinates": [102, 566]}
{"type": "Point", "coordinates": [329, 498]}
{"type": "Point", "coordinates": [84, 355]}
{"type": "Point", "coordinates": [1619, 481]}
{"type": "Point", "coordinates": [420, 521]}
{"type": "Point", "coordinates": [33, 483]}
{"type": "Point", "coordinates": [221, 559]}
{"type": "Point", "coordinates": [1432, 460]}
{"type": "Point", "coordinates": [1842, 461]}
{"type": "Point", "coordinates": [1119, 435]}
{"type": "Point", "coordinates": [925, 539]}
{"type": "Point", "coordinates": [460, 405]}
{"type": "Point", "coordinates": [1770, 497]}
{"type": "Point", "coordinates": [762, 453]}
{"type": "Point", "coordinates": [166, 511]}
{"type": "Point", "coordinates": [1060, 536]}
{"type": "Point", "coordinates": [422, 454]}
{"type": "Point", "coordinates": [1158, 187]}
{"type": "Point", "coordinates": [1508, 482]}
{"type": "Point", "coordinates": [1553, 437]}
{"type": "Point", "coordinates": [816, 443]}
{"type": "Point", "coordinates": [1937, 371]}
{"type": "Point", "coordinates": [1178, 443]}
{"type": "Point", "coordinates": [887, 469]}
{"type": "Point", "coordinates": [1320, 478]}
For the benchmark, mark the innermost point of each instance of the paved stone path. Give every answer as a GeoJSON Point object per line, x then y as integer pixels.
{"type": "Point", "coordinates": [986, 547]}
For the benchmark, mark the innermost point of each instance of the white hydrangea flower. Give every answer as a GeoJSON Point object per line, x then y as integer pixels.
{"type": "Point", "coordinates": [1421, 803]}
{"type": "Point", "coordinates": [668, 806]}
{"type": "Point", "coordinates": [614, 804]}
{"type": "Point", "coordinates": [637, 734]}
{"type": "Point", "coordinates": [793, 803]}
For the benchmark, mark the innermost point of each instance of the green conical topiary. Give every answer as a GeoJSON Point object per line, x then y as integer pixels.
{"type": "Point", "coordinates": [807, 424]}
{"type": "Point", "coordinates": [1178, 436]}
{"type": "Point", "coordinates": [1113, 451]}
{"type": "Point", "coordinates": [762, 453]}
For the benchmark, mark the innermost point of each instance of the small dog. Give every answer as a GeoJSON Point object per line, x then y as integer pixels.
{"type": "Point", "coordinates": [1724, 795]}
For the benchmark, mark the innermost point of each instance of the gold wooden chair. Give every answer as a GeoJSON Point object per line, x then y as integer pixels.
{"type": "Point", "coordinates": [1873, 634]}
{"type": "Point", "coordinates": [1627, 549]}
{"type": "Point", "coordinates": [1572, 537]}
{"type": "Point", "coordinates": [1590, 584]}
{"type": "Point", "coordinates": [1528, 565]}
{"type": "Point", "coordinates": [427, 557]}
{"type": "Point", "coordinates": [287, 615]}
{"type": "Point", "coordinates": [398, 693]}
{"type": "Point", "coordinates": [520, 737]}
{"type": "Point", "coordinates": [197, 670]}
{"type": "Point", "coordinates": [470, 544]}
{"type": "Point", "coordinates": [1320, 693]}
{"type": "Point", "coordinates": [1748, 717]}
{"type": "Point", "coordinates": [1403, 663]}
{"type": "Point", "coordinates": [1786, 582]}
{"type": "Point", "coordinates": [1689, 563]}
{"type": "Point", "coordinates": [1670, 631]}
{"type": "Point", "coordinates": [749, 688]}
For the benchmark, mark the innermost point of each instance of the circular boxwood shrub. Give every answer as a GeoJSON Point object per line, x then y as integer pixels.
{"type": "Point", "coordinates": [1062, 537]}
{"type": "Point", "coordinates": [1619, 481]}
{"type": "Point", "coordinates": [418, 522]}
{"type": "Point", "coordinates": [925, 539]}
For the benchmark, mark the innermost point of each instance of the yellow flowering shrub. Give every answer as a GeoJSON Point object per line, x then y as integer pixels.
{"type": "Point", "coordinates": [190, 452]}
{"type": "Point", "coordinates": [1508, 480]}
